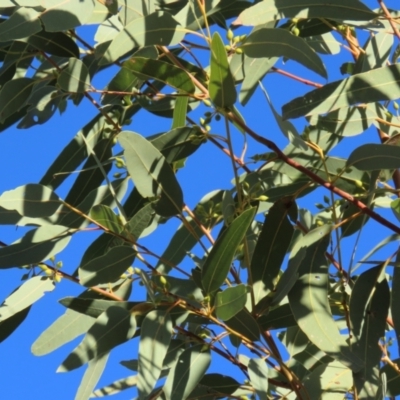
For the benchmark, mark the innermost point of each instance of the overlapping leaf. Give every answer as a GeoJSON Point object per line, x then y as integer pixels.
{"type": "Point", "coordinates": [23, 22]}
{"type": "Point", "coordinates": [230, 301]}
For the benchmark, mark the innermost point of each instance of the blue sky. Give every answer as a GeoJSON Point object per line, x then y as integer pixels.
{"type": "Point", "coordinates": [25, 158]}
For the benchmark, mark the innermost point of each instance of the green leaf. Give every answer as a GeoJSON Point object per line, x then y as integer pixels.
{"type": "Point", "coordinates": [312, 357]}
{"type": "Point", "coordinates": [106, 217]}
{"type": "Point", "coordinates": [230, 301]}
{"type": "Point", "coordinates": [372, 157]}
{"type": "Point", "coordinates": [31, 200]}
{"type": "Point", "coordinates": [222, 85]}
{"type": "Point", "coordinates": [219, 383]}
{"type": "Point", "coordinates": [147, 68]}
{"type": "Point", "coordinates": [150, 172]}
{"type": "Point", "coordinates": [276, 42]}
{"type": "Point", "coordinates": [185, 375]}
{"type": "Point", "coordinates": [22, 23]}
{"type": "Point", "coordinates": [308, 300]}
{"type": "Point", "coordinates": [26, 295]}
{"type": "Point", "coordinates": [369, 306]}
{"type": "Point", "coordinates": [245, 324]}
{"type": "Point", "coordinates": [13, 96]}
{"type": "Point", "coordinates": [392, 378]}
{"type": "Point", "coordinates": [112, 328]}
{"type": "Point", "coordinates": [94, 307]}
{"type": "Point", "coordinates": [271, 248]}
{"type": "Point", "coordinates": [8, 326]}
{"type": "Point", "coordinates": [75, 77]}
{"type": "Point", "coordinates": [107, 268]}
{"type": "Point", "coordinates": [156, 332]}
{"type": "Point", "coordinates": [278, 318]}
{"type": "Point", "coordinates": [92, 375]}
{"type": "Point", "coordinates": [219, 260]}
{"type": "Point", "coordinates": [258, 372]}
{"type": "Point", "coordinates": [64, 329]}
{"type": "Point", "coordinates": [329, 381]}
{"type": "Point", "coordinates": [270, 10]}
{"type": "Point", "coordinates": [116, 387]}
{"type": "Point", "coordinates": [62, 15]}
{"type": "Point", "coordinates": [367, 87]}
{"type": "Point", "coordinates": [156, 29]}
{"type": "Point", "coordinates": [180, 112]}
{"type": "Point", "coordinates": [35, 246]}
{"type": "Point", "coordinates": [137, 225]}
{"type": "Point", "coordinates": [54, 43]}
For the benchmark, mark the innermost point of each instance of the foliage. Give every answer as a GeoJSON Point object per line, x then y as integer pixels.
{"type": "Point", "coordinates": [245, 261]}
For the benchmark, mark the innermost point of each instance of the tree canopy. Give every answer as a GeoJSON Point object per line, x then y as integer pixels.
{"type": "Point", "coordinates": [260, 273]}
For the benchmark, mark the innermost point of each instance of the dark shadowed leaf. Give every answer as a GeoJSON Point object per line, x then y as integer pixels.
{"type": "Point", "coordinates": [75, 77]}
{"type": "Point", "coordinates": [222, 86]}
{"type": "Point", "coordinates": [107, 268]}
{"type": "Point", "coordinates": [268, 42]}
{"type": "Point", "coordinates": [216, 267]}
{"type": "Point", "coordinates": [8, 326]}
{"type": "Point", "coordinates": [230, 301]}
{"type": "Point", "coordinates": [54, 43]}
{"type": "Point", "coordinates": [245, 324]}
{"type": "Point", "coordinates": [23, 23]}
{"type": "Point", "coordinates": [106, 217]}
{"type": "Point", "coordinates": [184, 376]}
{"type": "Point", "coordinates": [151, 173]}
{"type": "Point", "coordinates": [367, 87]}
{"type": "Point", "coordinates": [392, 378]}
{"type": "Point", "coordinates": [278, 318]}
{"type": "Point", "coordinates": [155, 337]}
{"type": "Point", "coordinates": [112, 328]}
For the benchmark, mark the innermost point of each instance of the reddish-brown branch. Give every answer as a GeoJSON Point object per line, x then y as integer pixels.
{"type": "Point", "coordinates": [389, 17]}
{"type": "Point", "coordinates": [296, 78]}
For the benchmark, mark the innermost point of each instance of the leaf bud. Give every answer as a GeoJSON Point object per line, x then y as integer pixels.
{"type": "Point", "coordinates": [202, 121]}
{"type": "Point", "coordinates": [236, 39]}
{"type": "Point", "coordinates": [228, 47]}
{"type": "Point", "coordinates": [319, 222]}
{"type": "Point", "coordinates": [218, 117]}
{"type": "Point", "coordinates": [57, 278]}
{"type": "Point", "coordinates": [207, 103]}
{"type": "Point", "coordinates": [229, 34]}
{"type": "Point", "coordinates": [59, 264]}
{"type": "Point", "coordinates": [296, 31]}
{"type": "Point", "coordinates": [163, 281]}
{"type": "Point", "coordinates": [117, 175]}
{"type": "Point", "coordinates": [262, 198]}
{"type": "Point", "coordinates": [243, 38]}
{"type": "Point", "coordinates": [119, 162]}
{"type": "Point", "coordinates": [359, 184]}
{"type": "Point", "coordinates": [238, 50]}
{"type": "Point", "coordinates": [395, 105]}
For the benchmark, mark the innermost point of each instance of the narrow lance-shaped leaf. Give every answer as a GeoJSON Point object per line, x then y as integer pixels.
{"type": "Point", "coordinates": [372, 157]}
{"type": "Point", "coordinates": [162, 71]}
{"type": "Point", "coordinates": [31, 201]}
{"type": "Point", "coordinates": [369, 306]}
{"type": "Point", "coordinates": [368, 87]}
{"type": "Point", "coordinates": [23, 22]}
{"type": "Point", "coordinates": [151, 173]}
{"type": "Point", "coordinates": [180, 111]}
{"type": "Point", "coordinates": [270, 10]}
{"type": "Point", "coordinates": [155, 29]}
{"type": "Point", "coordinates": [155, 337]}
{"type": "Point", "coordinates": [222, 85]}
{"type": "Point", "coordinates": [258, 372]}
{"type": "Point", "coordinates": [276, 42]}
{"type": "Point", "coordinates": [27, 294]}
{"type": "Point", "coordinates": [8, 326]}
{"type": "Point", "coordinates": [106, 217]}
{"type": "Point", "coordinates": [308, 300]}
{"type": "Point", "coordinates": [184, 376]}
{"type": "Point", "coordinates": [230, 301]}
{"type": "Point", "coordinates": [216, 267]}
{"type": "Point", "coordinates": [112, 328]}
{"type": "Point", "coordinates": [271, 248]}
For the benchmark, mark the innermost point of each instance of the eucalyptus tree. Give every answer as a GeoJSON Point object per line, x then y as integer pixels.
{"type": "Point", "coordinates": [248, 277]}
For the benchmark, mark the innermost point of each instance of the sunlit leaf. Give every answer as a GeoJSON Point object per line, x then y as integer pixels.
{"type": "Point", "coordinates": [23, 22]}
{"type": "Point", "coordinates": [258, 372]}
{"type": "Point", "coordinates": [151, 174]}
{"type": "Point", "coordinates": [112, 328]}
{"type": "Point", "coordinates": [180, 111]}
{"type": "Point", "coordinates": [106, 217]}
{"type": "Point", "coordinates": [222, 86]}
{"type": "Point", "coordinates": [230, 301]}
{"type": "Point", "coordinates": [75, 77]}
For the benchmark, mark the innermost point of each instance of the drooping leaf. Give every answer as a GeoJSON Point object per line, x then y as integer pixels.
{"type": "Point", "coordinates": [270, 10]}
{"type": "Point", "coordinates": [271, 248]}
{"type": "Point", "coordinates": [136, 226]}
{"type": "Point", "coordinates": [156, 332]}
{"type": "Point", "coordinates": [218, 383]}
{"type": "Point", "coordinates": [222, 86]}
{"type": "Point", "coordinates": [367, 87]}
{"type": "Point", "coordinates": [369, 306]}
{"type": "Point", "coordinates": [8, 326]}
{"type": "Point", "coordinates": [107, 268]}
{"type": "Point", "coordinates": [258, 372]}
{"type": "Point", "coordinates": [13, 96]}
{"type": "Point", "coordinates": [371, 157]}
{"type": "Point", "coordinates": [22, 23]}
{"type": "Point", "coordinates": [180, 111]}
{"type": "Point", "coordinates": [75, 77]}
{"type": "Point", "coordinates": [112, 328]}
{"type": "Point", "coordinates": [31, 200]}
{"type": "Point", "coordinates": [308, 300]}
{"type": "Point", "coordinates": [91, 376]}
{"type": "Point", "coordinates": [276, 42]}
{"type": "Point", "coordinates": [26, 295]}
{"type": "Point", "coordinates": [151, 174]}
{"type": "Point", "coordinates": [245, 324]}
{"type": "Point", "coordinates": [155, 29]}
{"type": "Point", "coordinates": [216, 267]}
{"type": "Point", "coordinates": [106, 217]}
{"type": "Point", "coordinates": [171, 75]}
{"type": "Point", "coordinates": [35, 246]}
{"type": "Point", "coordinates": [278, 318]}
{"type": "Point", "coordinates": [230, 301]}
{"type": "Point", "coordinates": [184, 376]}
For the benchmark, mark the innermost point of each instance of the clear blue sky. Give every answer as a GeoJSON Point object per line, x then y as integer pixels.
{"type": "Point", "coordinates": [26, 154]}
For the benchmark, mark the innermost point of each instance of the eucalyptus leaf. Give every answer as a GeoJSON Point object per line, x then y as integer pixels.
{"type": "Point", "coordinates": [230, 301]}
